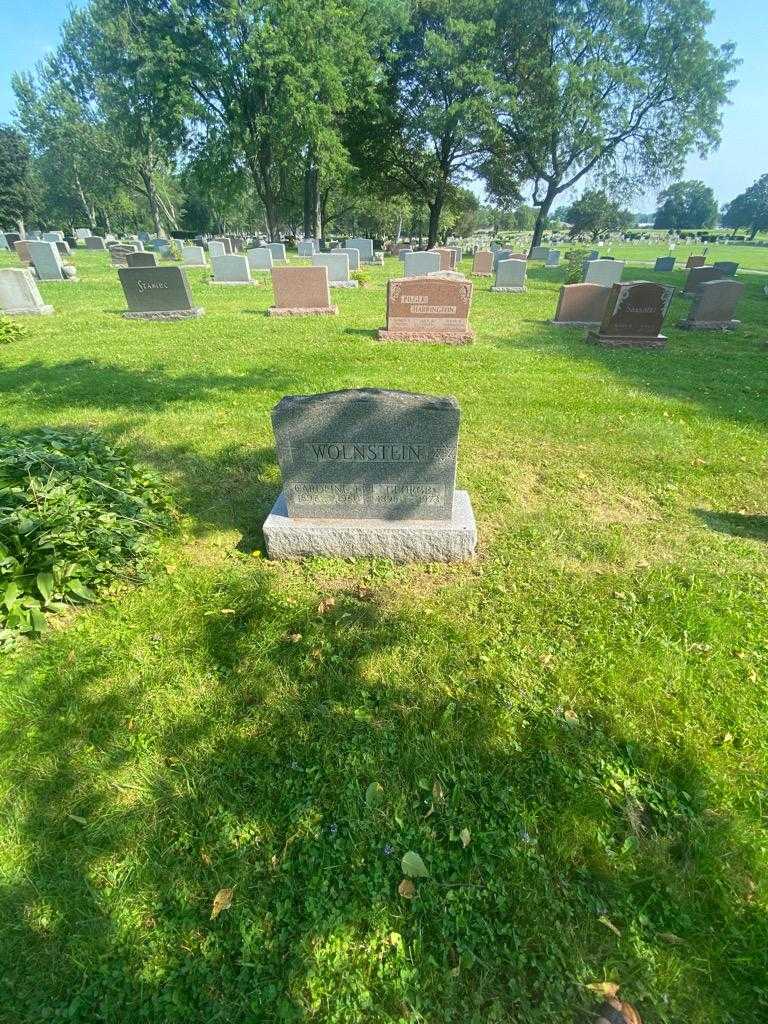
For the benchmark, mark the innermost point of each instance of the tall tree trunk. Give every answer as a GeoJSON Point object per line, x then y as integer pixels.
{"type": "Point", "coordinates": [154, 206]}
{"type": "Point", "coordinates": [399, 230]}
{"type": "Point", "coordinates": [313, 215]}
{"type": "Point", "coordinates": [544, 208]}
{"type": "Point", "coordinates": [20, 226]}
{"type": "Point", "coordinates": [88, 208]}
{"type": "Point", "coordinates": [435, 209]}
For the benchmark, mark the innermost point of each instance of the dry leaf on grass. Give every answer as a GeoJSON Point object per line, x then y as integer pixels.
{"type": "Point", "coordinates": [221, 901]}
{"type": "Point", "coordinates": [465, 837]}
{"type": "Point", "coordinates": [603, 988]}
{"type": "Point", "coordinates": [407, 889]}
{"type": "Point", "coordinates": [325, 605]}
{"type": "Point", "coordinates": [438, 792]}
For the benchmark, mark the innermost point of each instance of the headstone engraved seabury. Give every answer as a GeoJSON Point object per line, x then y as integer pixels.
{"type": "Point", "coordinates": [157, 293]}
{"type": "Point", "coordinates": [633, 316]}
{"type": "Point", "coordinates": [369, 472]}
{"type": "Point", "coordinates": [428, 309]}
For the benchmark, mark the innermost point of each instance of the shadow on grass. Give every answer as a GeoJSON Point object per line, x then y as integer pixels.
{"type": "Point", "coordinates": [237, 753]}
{"type": "Point", "coordinates": [735, 524]}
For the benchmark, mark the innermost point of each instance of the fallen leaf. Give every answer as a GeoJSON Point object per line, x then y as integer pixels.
{"type": "Point", "coordinates": [294, 637]}
{"type": "Point", "coordinates": [413, 865]}
{"type": "Point", "coordinates": [407, 889]}
{"type": "Point", "coordinates": [205, 858]}
{"type": "Point", "coordinates": [671, 938]}
{"type": "Point", "coordinates": [325, 605]}
{"type": "Point", "coordinates": [609, 924]}
{"type": "Point", "coordinates": [603, 988]}
{"type": "Point", "coordinates": [465, 837]}
{"type": "Point", "coordinates": [221, 901]}
{"type": "Point", "coordinates": [78, 819]}
{"type": "Point", "coordinates": [227, 611]}
{"type": "Point", "coordinates": [438, 792]}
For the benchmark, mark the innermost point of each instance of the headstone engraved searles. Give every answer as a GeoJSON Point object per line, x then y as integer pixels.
{"type": "Point", "coordinates": [19, 294]}
{"type": "Point", "coordinates": [369, 472]}
{"type": "Point", "coordinates": [633, 316]}
{"type": "Point", "coordinates": [428, 309]}
{"type": "Point", "coordinates": [157, 293]}
{"type": "Point", "coordinates": [301, 291]}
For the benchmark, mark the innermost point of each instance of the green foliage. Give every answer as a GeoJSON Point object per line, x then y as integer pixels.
{"type": "Point", "coordinates": [750, 209]}
{"type": "Point", "coordinates": [17, 194]}
{"type": "Point", "coordinates": [574, 265]}
{"type": "Point", "coordinates": [10, 330]}
{"type": "Point", "coordinates": [361, 276]}
{"type": "Point", "coordinates": [596, 214]}
{"type": "Point", "coordinates": [174, 250]}
{"type": "Point", "coordinates": [73, 513]}
{"type": "Point", "coordinates": [686, 204]}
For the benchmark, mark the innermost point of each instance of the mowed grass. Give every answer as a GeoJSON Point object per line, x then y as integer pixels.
{"type": "Point", "coordinates": [588, 699]}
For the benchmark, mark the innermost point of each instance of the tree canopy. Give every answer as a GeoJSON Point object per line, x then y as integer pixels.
{"type": "Point", "coordinates": [750, 209]}
{"type": "Point", "coordinates": [686, 204]}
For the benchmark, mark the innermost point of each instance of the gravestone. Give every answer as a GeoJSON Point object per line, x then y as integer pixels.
{"type": "Point", "coordinates": [714, 306]}
{"type": "Point", "coordinates": [369, 472]}
{"type": "Point", "coordinates": [231, 269]}
{"type": "Point", "coordinates": [510, 276]}
{"type": "Point", "coordinates": [482, 263]}
{"type": "Point", "coordinates": [301, 291]}
{"type": "Point", "coordinates": [418, 264]}
{"type": "Point", "coordinates": [278, 252]}
{"type": "Point", "coordinates": [633, 316]}
{"type": "Point", "coordinates": [605, 272]}
{"type": "Point", "coordinates": [95, 243]}
{"type": "Point", "coordinates": [581, 305]}
{"type": "Point", "coordinates": [53, 236]}
{"type": "Point", "coordinates": [260, 258]}
{"type": "Point", "coordinates": [699, 276]}
{"type": "Point", "coordinates": [364, 246]}
{"type": "Point", "coordinates": [82, 233]}
{"type": "Point", "coordinates": [193, 256]}
{"type": "Point", "coordinates": [157, 293]}
{"type": "Point", "coordinates": [19, 294]}
{"type": "Point", "coordinates": [306, 249]}
{"type": "Point", "coordinates": [501, 254]}
{"type": "Point", "coordinates": [665, 263]}
{"type": "Point", "coordinates": [448, 275]}
{"type": "Point", "coordinates": [12, 237]}
{"type": "Point", "coordinates": [47, 262]}
{"type": "Point", "coordinates": [553, 258]}
{"type": "Point", "coordinates": [63, 248]}
{"type": "Point", "coordinates": [226, 243]}
{"type": "Point", "coordinates": [118, 254]}
{"type": "Point", "coordinates": [695, 261]}
{"type": "Point", "coordinates": [216, 248]}
{"type": "Point", "coordinates": [3, 241]}
{"type": "Point", "coordinates": [403, 252]}
{"type": "Point", "coordinates": [22, 251]}
{"type": "Point", "coordinates": [35, 236]}
{"type": "Point", "coordinates": [428, 309]}
{"type": "Point", "coordinates": [447, 257]}
{"type": "Point", "coordinates": [727, 268]}
{"type": "Point", "coordinates": [337, 265]}
{"type": "Point", "coordinates": [539, 252]}
{"type": "Point", "coordinates": [141, 259]}
{"type": "Point", "coordinates": [354, 257]}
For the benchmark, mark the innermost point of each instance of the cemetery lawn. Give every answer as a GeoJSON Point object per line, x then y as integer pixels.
{"type": "Point", "coordinates": [570, 732]}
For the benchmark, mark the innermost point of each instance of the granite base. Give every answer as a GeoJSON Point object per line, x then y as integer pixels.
{"type": "Point", "coordinates": [37, 311]}
{"type": "Point", "coordinates": [709, 325]}
{"type": "Point", "coordinates": [508, 288]}
{"type": "Point", "coordinates": [434, 337]}
{"type": "Point", "coordinates": [590, 325]}
{"type": "Point", "coordinates": [343, 284]}
{"type": "Point", "coordinates": [246, 284]}
{"type": "Point", "coordinates": [303, 310]}
{"type": "Point", "coordinates": [402, 540]}
{"type": "Point", "coordinates": [164, 314]}
{"type": "Point", "coordinates": [608, 341]}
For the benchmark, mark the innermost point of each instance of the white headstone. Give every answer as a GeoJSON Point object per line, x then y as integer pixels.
{"type": "Point", "coordinates": [216, 248]}
{"type": "Point", "coordinates": [82, 233]}
{"type": "Point", "coordinates": [605, 272]}
{"type": "Point", "coordinates": [20, 295]}
{"type": "Point", "coordinates": [365, 245]}
{"type": "Point", "coordinates": [46, 260]}
{"type": "Point", "coordinates": [260, 259]}
{"type": "Point", "coordinates": [416, 264]}
{"type": "Point", "coordinates": [193, 255]}
{"type": "Point", "coordinates": [338, 268]}
{"type": "Point", "coordinates": [306, 249]}
{"type": "Point", "coordinates": [232, 269]}
{"type": "Point", "coordinates": [278, 251]}
{"type": "Point", "coordinates": [510, 276]}
{"type": "Point", "coordinates": [354, 257]}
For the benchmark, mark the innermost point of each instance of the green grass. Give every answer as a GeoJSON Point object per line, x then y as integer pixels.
{"type": "Point", "coordinates": [590, 694]}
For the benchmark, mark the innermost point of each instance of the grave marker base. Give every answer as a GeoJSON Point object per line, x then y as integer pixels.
{"type": "Point", "coordinates": [508, 288]}
{"type": "Point", "coordinates": [241, 284]}
{"type": "Point", "coordinates": [343, 284]}
{"type": "Point", "coordinates": [590, 325]}
{"type": "Point", "coordinates": [38, 311]}
{"type": "Point", "coordinates": [709, 325]}
{"type": "Point", "coordinates": [172, 314]}
{"type": "Point", "coordinates": [607, 341]}
{"type": "Point", "coordinates": [412, 540]}
{"type": "Point", "coordinates": [303, 310]}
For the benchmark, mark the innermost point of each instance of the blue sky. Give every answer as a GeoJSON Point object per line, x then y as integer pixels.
{"type": "Point", "coordinates": [31, 29]}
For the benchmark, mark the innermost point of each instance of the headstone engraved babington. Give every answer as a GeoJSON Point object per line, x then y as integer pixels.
{"type": "Point", "coordinates": [157, 293]}
{"type": "Point", "coordinates": [428, 309]}
{"type": "Point", "coordinates": [301, 291]}
{"type": "Point", "coordinates": [714, 306]}
{"type": "Point", "coordinates": [633, 316]}
{"type": "Point", "coordinates": [19, 294]}
{"type": "Point", "coordinates": [369, 472]}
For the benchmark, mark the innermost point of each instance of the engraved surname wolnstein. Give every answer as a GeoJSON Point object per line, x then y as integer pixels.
{"type": "Point", "coordinates": [360, 451]}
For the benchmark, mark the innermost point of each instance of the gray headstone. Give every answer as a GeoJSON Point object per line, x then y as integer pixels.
{"type": "Point", "coordinates": [500, 254]}
{"type": "Point", "coordinates": [604, 272]}
{"type": "Point", "coordinates": [539, 252]}
{"type": "Point", "coordinates": [63, 248]}
{"type": "Point", "coordinates": [714, 306]}
{"type": "Point", "coordinates": [159, 293]}
{"type": "Point", "coordinates": [365, 247]}
{"type": "Point", "coordinates": [306, 249]}
{"type": "Point", "coordinates": [278, 252]}
{"type": "Point", "coordinates": [231, 269]}
{"type": "Point", "coordinates": [193, 255]}
{"type": "Point", "coordinates": [82, 233]}
{"type": "Point", "coordinates": [553, 258]}
{"type": "Point", "coordinates": [95, 242]}
{"type": "Point", "coordinates": [46, 260]}
{"type": "Point", "coordinates": [53, 236]}
{"type": "Point", "coordinates": [19, 294]}
{"type": "Point", "coordinates": [665, 263]}
{"type": "Point", "coordinates": [338, 268]}
{"type": "Point", "coordinates": [416, 264]}
{"type": "Point", "coordinates": [216, 248]}
{"type": "Point", "coordinates": [698, 276]}
{"type": "Point", "coordinates": [118, 254]}
{"type": "Point", "coordinates": [510, 276]}
{"type": "Point", "coordinates": [354, 257]}
{"type": "Point", "coordinates": [726, 267]}
{"type": "Point", "coordinates": [224, 241]}
{"type": "Point", "coordinates": [260, 259]}
{"type": "Point", "coordinates": [141, 259]}
{"type": "Point", "coordinates": [3, 241]}
{"type": "Point", "coordinates": [12, 237]}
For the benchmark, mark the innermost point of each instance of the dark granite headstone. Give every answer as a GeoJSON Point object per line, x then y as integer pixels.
{"type": "Point", "coordinates": [140, 259]}
{"type": "Point", "coordinates": [12, 237]}
{"type": "Point", "coordinates": [727, 268]}
{"type": "Point", "coordinates": [95, 242]}
{"type": "Point", "coordinates": [698, 276]}
{"type": "Point", "coordinates": [665, 263]}
{"type": "Point", "coordinates": [581, 305]}
{"type": "Point", "coordinates": [714, 306]}
{"type": "Point", "coordinates": [633, 316]}
{"type": "Point", "coordinates": [159, 293]}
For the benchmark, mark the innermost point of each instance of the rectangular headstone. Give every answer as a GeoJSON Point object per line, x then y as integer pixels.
{"type": "Point", "coordinates": [301, 291]}
{"type": "Point", "coordinates": [63, 248]}
{"type": "Point", "coordinates": [510, 276]}
{"type": "Point", "coordinates": [159, 293]}
{"type": "Point", "coordinates": [19, 294]}
{"type": "Point", "coordinates": [141, 259]}
{"type": "Point", "coordinates": [46, 260]}
{"type": "Point", "coordinates": [216, 248]}
{"type": "Point", "coordinates": [447, 257]}
{"type": "Point", "coordinates": [278, 252]}
{"type": "Point", "coordinates": [231, 269]}
{"type": "Point", "coordinates": [365, 247]}
{"type": "Point", "coordinates": [553, 258]}
{"type": "Point", "coordinates": [193, 256]}
{"type": "Point", "coordinates": [633, 316]}
{"type": "Point", "coordinates": [714, 306]}
{"type": "Point", "coordinates": [419, 264]}
{"type": "Point", "coordinates": [695, 261]}
{"type": "Point", "coordinates": [3, 241]}
{"type": "Point", "coordinates": [539, 252]}
{"type": "Point", "coordinates": [306, 249]}
{"type": "Point", "coordinates": [337, 264]}
{"type": "Point", "coordinates": [698, 276]}
{"type": "Point", "coordinates": [226, 243]}
{"type": "Point", "coordinates": [428, 309]}
{"type": "Point", "coordinates": [53, 236]}
{"type": "Point", "coordinates": [482, 263]}
{"type": "Point", "coordinates": [82, 233]}
{"type": "Point", "coordinates": [260, 259]}
{"type": "Point", "coordinates": [665, 263]}
{"type": "Point", "coordinates": [605, 272]}
{"type": "Point", "coordinates": [581, 305]}
{"type": "Point", "coordinates": [95, 243]}
{"type": "Point", "coordinates": [118, 254]}
{"type": "Point", "coordinates": [21, 249]}
{"type": "Point", "coordinates": [727, 268]}
{"type": "Point", "coordinates": [354, 257]}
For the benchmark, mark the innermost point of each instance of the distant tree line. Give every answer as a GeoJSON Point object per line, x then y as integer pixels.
{"type": "Point", "coordinates": [316, 116]}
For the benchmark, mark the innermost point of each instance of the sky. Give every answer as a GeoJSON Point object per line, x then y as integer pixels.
{"type": "Point", "coordinates": [31, 29]}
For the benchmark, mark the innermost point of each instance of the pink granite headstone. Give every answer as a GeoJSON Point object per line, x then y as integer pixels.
{"type": "Point", "coordinates": [301, 291]}
{"type": "Point", "coordinates": [428, 309]}
{"type": "Point", "coordinates": [482, 264]}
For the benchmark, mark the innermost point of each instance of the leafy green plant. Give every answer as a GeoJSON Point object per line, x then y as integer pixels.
{"type": "Point", "coordinates": [174, 251]}
{"type": "Point", "coordinates": [10, 330]}
{"type": "Point", "coordinates": [574, 261]}
{"type": "Point", "coordinates": [361, 277]}
{"type": "Point", "coordinates": [74, 511]}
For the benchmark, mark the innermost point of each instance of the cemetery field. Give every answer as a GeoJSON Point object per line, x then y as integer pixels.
{"type": "Point", "coordinates": [570, 732]}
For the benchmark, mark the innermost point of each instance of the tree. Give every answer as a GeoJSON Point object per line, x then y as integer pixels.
{"type": "Point", "coordinates": [17, 194]}
{"type": "Point", "coordinates": [423, 132]}
{"type": "Point", "coordinates": [609, 88]}
{"type": "Point", "coordinates": [686, 204]}
{"type": "Point", "coordinates": [596, 214]}
{"type": "Point", "coordinates": [750, 209]}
